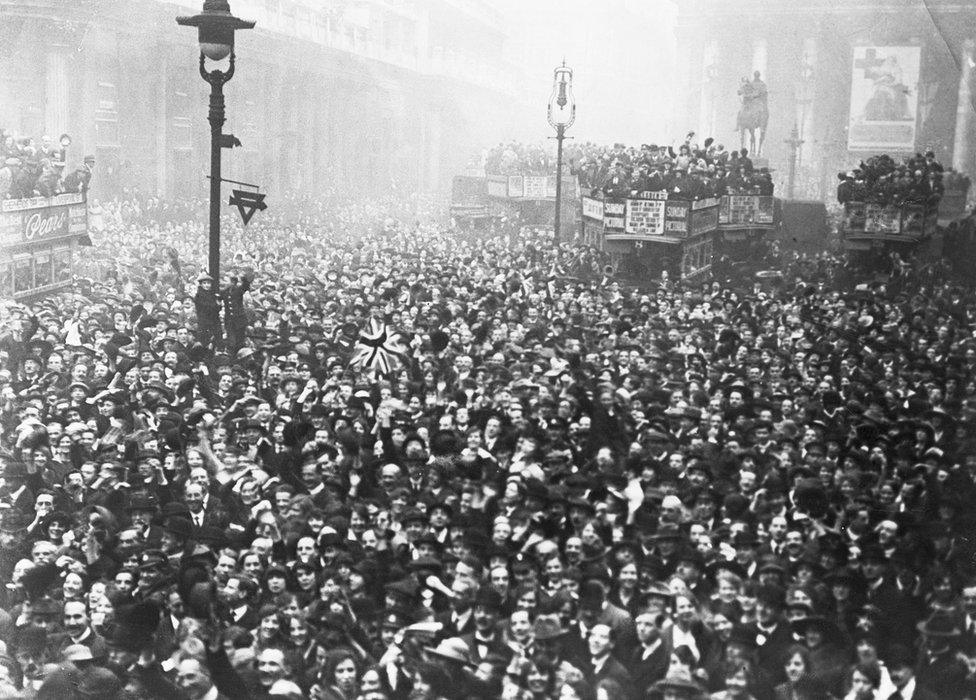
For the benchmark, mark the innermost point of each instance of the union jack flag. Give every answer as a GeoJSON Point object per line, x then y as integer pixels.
{"type": "Point", "coordinates": [378, 348]}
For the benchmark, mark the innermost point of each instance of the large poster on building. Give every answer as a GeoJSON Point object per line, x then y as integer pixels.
{"type": "Point", "coordinates": [884, 98]}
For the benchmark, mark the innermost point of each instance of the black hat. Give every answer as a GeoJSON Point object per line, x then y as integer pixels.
{"type": "Point", "coordinates": [744, 636]}
{"type": "Point", "coordinates": [38, 579]}
{"type": "Point", "coordinates": [939, 624]}
{"type": "Point", "coordinates": [141, 501]}
{"type": "Point", "coordinates": [138, 622]}
{"type": "Point", "coordinates": [181, 527]}
{"type": "Point", "coordinates": [488, 598]}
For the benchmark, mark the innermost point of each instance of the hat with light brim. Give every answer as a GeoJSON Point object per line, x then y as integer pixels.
{"type": "Point", "coordinates": [451, 649]}
{"type": "Point", "coordinates": [679, 680]}
{"type": "Point", "coordinates": [547, 627]}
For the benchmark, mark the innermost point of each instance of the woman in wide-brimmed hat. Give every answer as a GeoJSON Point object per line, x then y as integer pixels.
{"type": "Point", "coordinates": [677, 685]}
{"type": "Point", "coordinates": [824, 642]}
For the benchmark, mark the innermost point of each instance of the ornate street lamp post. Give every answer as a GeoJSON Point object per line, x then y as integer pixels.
{"type": "Point", "coordinates": [216, 27]}
{"type": "Point", "coordinates": [561, 114]}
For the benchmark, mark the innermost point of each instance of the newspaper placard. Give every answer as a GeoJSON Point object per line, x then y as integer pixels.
{"type": "Point", "coordinates": [705, 203]}
{"type": "Point", "coordinates": [676, 217]}
{"type": "Point", "coordinates": [645, 217]}
{"type": "Point", "coordinates": [516, 186]}
{"type": "Point", "coordinates": [913, 219]}
{"type": "Point", "coordinates": [855, 216]}
{"type": "Point", "coordinates": [497, 186]}
{"type": "Point", "coordinates": [884, 98]}
{"type": "Point", "coordinates": [882, 219]}
{"type": "Point", "coordinates": [592, 208]}
{"type": "Point", "coordinates": [704, 220]}
{"type": "Point", "coordinates": [746, 210]}
{"type": "Point", "coordinates": [535, 187]}
{"type": "Point", "coordinates": [613, 217]}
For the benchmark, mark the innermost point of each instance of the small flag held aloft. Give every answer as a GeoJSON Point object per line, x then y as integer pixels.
{"type": "Point", "coordinates": [247, 203]}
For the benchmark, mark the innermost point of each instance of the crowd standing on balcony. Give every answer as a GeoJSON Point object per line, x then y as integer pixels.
{"type": "Point", "coordinates": [562, 488]}
{"type": "Point", "coordinates": [30, 169]}
{"type": "Point", "coordinates": [692, 172]}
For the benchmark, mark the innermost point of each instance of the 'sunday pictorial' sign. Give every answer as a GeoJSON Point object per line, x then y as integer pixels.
{"type": "Point", "coordinates": [613, 217]}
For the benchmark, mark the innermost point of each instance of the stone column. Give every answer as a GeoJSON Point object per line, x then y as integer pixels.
{"type": "Point", "coordinates": [706, 117]}
{"type": "Point", "coordinates": [961, 152]}
{"type": "Point", "coordinates": [806, 90]}
{"type": "Point", "coordinates": [56, 91]}
{"type": "Point", "coordinates": [161, 90]}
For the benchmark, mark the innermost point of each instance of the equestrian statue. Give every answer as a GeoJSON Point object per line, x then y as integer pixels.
{"type": "Point", "coordinates": [754, 113]}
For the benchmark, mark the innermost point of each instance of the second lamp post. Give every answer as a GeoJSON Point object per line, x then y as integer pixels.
{"type": "Point", "coordinates": [561, 114]}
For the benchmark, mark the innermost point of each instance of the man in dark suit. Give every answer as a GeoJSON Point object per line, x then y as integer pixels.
{"type": "Point", "coordinates": [193, 680]}
{"type": "Point", "coordinates": [204, 509]}
{"type": "Point", "coordinates": [19, 494]}
{"type": "Point", "coordinates": [939, 670]}
{"type": "Point", "coordinates": [901, 667]}
{"type": "Point", "coordinates": [458, 621]}
{"type": "Point", "coordinates": [772, 632]}
{"type": "Point", "coordinates": [648, 663]}
{"type": "Point", "coordinates": [236, 595]}
{"type": "Point", "coordinates": [78, 630]}
{"type": "Point", "coordinates": [487, 640]}
{"type": "Point", "coordinates": [601, 663]}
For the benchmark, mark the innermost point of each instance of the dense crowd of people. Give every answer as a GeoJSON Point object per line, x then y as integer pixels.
{"type": "Point", "coordinates": [31, 169]}
{"type": "Point", "coordinates": [919, 180]}
{"type": "Point", "coordinates": [694, 171]}
{"type": "Point", "coordinates": [562, 488]}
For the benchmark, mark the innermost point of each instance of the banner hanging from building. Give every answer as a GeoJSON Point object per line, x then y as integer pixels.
{"type": "Point", "coordinates": [884, 98]}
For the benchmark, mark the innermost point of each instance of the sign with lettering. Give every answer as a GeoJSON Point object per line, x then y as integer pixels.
{"type": "Point", "coordinates": [645, 217]}
{"type": "Point", "coordinates": [855, 216]}
{"type": "Point", "coordinates": [913, 219]}
{"type": "Point", "coordinates": [516, 186]}
{"type": "Point", "coordinates": [36, 224]}
{"type": "Point", "coordinates": [535, 186]}
{"type": "Point", "coordinates": [497, 186]}
{"type": "Point", "coordinates": [704, 220]}
{"type": "Point", "coordinates": [42, 202]}
{"type": "Point", "coordinates": [592, 208]}
{"type": "Point", "coordinates": [613, 216]}
{"type": "Point", "coordinates": [882, 219]}
{"type": "Point", "coordinates": [748, 210]}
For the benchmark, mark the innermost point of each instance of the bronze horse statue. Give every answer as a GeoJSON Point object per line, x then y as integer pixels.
{"type": "Point", "coordinates": [753, 115]}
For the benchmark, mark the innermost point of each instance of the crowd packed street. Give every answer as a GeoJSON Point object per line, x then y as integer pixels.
{"type": "Point", "coordinates": [391, 460]}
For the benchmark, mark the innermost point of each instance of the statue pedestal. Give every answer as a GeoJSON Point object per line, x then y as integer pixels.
{"type": "Point", "coordinates": [758, 163]}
